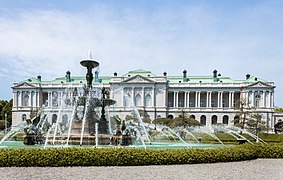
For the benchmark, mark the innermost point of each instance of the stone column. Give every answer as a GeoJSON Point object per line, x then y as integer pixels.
{"type": "Point", "coordinates": [207, 99]}
{"type": "Point", "coordinates": [263, 99]}
{"type": "Point", "coordinates": [185, 99]}
{"type": "Point", "coordinates": [233, 99]}
{"type": "Point", "coordinates": [133, 96]}
{"type": "Point", "coordinates": [253, 99]}
{"type": "Point", "coordinates": [177, 99]}
{"type": "Point", "coordinates": [210, 97]}
{"type": "Point", "coordinates": [196, 99]}
{"type": "Point", "coordinates": [221, 99]}
{"type": "Point", "coordinates": [199, 99]}
{"type": "Point", "coordinates": [174, 99]}
{"type": "Point", "coordinates": [142, 96]}
{"type": "Point", "coordinates": [14, 99]}
{"type": "Point", "coordinates": [31, 99]}
{"type": "Point", "coordinates": [122, 98]}
{"type": "Point", "coordinates": [50, 99]}
{"type": "Point", "coordinates": [230, 99]}
{"type": "Point", "coordinates": [218, 100]}
{"type": "Point", "coordinates": [153, 97]}
{"type": "Point", "coordinates": [188, 99]}
{"type": "Point", "coordinates": [20, 98]}
{"type": "Point", "coordinates": [36, 99]}
{"type": "Point", "coordinates": [271, 99]}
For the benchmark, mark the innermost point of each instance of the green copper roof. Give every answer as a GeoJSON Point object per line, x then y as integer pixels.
{"type": "Point", "coordinates": [145, 73]}
{"type": "Point", "coordinates": [210, 79]}
{"type": "Point", "coordinates": [74, 79]}
{"type": "Point", "coordinates": [140, 72]}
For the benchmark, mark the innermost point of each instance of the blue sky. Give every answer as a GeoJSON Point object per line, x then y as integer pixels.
{"type": "Point", "coordinates": [48, 38]}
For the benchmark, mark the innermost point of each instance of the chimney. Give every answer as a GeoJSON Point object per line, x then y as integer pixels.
{"type": "Point", "coordinates": [185, 74]}
{"type": "Point", "coordinates": [115, 74]}
{"type": "Point", "coordinates": [215, 73]}
{"type": "Point", "coordinates": [248, 76]}
{"type": "Point", "coordinates": [68, 76]}
{"type": "Point", "coordinates": [165, 73]}
{"type": "Point", "coordinates": [39, 78]}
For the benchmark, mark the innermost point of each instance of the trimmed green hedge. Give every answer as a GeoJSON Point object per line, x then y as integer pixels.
{"type": "Point", "coordinates": [120, 156]}
{"type": "Point", "coordinates": [270, 151]}
{"type": "Point", "coordinates": [132, 157]}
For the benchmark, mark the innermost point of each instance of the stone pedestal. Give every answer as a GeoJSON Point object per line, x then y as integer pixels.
{"type": "Point", "coordinates": [103, 127]}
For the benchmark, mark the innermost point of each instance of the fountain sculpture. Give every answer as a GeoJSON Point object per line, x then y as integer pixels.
{"type": "Point", "coordinates": [88, 124]}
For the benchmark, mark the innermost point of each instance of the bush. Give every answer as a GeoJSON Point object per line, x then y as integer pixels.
{"type": "Point", "coordinates": [271, 151]}
{"type": "Point", "coordinates": [121, 156]}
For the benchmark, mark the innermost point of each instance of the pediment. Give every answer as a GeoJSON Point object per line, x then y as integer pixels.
{"type": "Point", "coordinates": [260, 84]}
{"type": "Point", "coordinates": [24, 85]}
{"type": "Point", "coordinates": [138, 79]}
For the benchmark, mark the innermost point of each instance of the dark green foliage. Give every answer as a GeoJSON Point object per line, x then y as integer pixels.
{"type": "Point", "coordinates": [6, 108]}
{"type": "Point", "coordinates": [278, 127]}
{"type": "Point", "coordinates": [278, 110]}
{"type": "Point", "coordinates": [120, 156]}
{"type": "Point", "coordinates": [270, 151]}
{"type": "Point", "coordinates": [133, 157]}
{"type": "Point", "coordinates": [162, 121]}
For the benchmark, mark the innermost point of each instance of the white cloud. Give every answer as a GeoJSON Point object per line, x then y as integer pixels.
{"type": "Point", "coordinates": [195, 38]}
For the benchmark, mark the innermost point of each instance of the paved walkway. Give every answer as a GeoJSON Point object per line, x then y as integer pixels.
{"type": "Point", "coordinates": [266, 169]}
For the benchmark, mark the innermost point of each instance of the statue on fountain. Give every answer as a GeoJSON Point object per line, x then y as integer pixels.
{"type": "Point", "coordinates": [122, 135]}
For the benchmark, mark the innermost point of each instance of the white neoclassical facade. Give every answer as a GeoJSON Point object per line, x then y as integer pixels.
{"type": "Point", "coordinates": [209, 99]}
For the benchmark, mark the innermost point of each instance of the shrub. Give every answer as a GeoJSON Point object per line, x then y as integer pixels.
{"type": "Point", "coordinates": [121, 156]}
{"type": "Point", "coordinates": [270, 151]}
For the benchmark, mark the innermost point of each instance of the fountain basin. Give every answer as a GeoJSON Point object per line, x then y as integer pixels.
{"type": "Point", "coordinates": [89, 63]}
{"type": "Point", "coordinates": [153, 145]}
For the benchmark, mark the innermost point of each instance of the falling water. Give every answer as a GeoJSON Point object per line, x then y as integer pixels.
{"type": "Point", "coordinates": [84, 119]}
{"type": "Point", "coordinates": [56, 126]}
{"type": "Point", "coordinates": [140, 121]}
{"type": "Point", "coordinates": [14, 131]}
{"type": "Point", "coordinates": [47, 135]}
{"type": "Point", "coordinates": [71, 121]}
{"type": "Point", "coordinates": [191, 134]}
{"type": "Point", "coordinates": [170, 130]}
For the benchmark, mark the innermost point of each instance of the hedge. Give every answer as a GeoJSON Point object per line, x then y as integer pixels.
{"type": "Point", "coordinates": [120, 156]}
{"type": "Point", "coordinates": [132, 157]}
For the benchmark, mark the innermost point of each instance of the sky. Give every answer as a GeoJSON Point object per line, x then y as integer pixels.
{"type": "Point", "coordinates": [50, 37]}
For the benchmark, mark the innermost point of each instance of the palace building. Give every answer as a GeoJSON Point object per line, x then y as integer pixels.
{"type": "Point", "coordinates": [209, 99]}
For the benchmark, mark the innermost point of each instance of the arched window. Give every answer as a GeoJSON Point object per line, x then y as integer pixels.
{"type": "Point", "coordinates": [54, 99]}
{"type": "Point", "coordinates": [18, 98]}
{"type": "Point", "coordinates": [170, 116]}
{"type": "Point", "coordinates": [24, 117]}
{"type": "Point", "coordinates": [65, 118]}
{"type": "Point", "coordinates": [32, 94]}
{"type": "Point", "coordinates": [26, 100]}
{"type": "Point", "coordinates": [214, 119]}
{"type": "Point", "coordinates": [138, 100]}
{"type": "Point", "coordinates": [192, 117]}
{"type": "Point", "coordinates": [54, 118]}
{"type": "Point", "coordinates": [225, 119]}
{"type": "Point", "coordinates": [127, 100]}
{"type": "Point", "coordinates": [257, 100]}
{"type": "Point", "coordinates": [203, 120]}
{"type": "Point", "coordinates": [148, 101]}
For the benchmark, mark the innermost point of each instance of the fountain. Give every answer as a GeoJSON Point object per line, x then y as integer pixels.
{"type": "Point", "coordinates": [89, 125]}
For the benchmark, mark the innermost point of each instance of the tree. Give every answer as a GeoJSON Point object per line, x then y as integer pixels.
{"type": "Point", "coordinates": [2, 105]}
{"type": "Point", "coordinates": [249, 118]}
{"type": "Point", "coordinates": [162, 121]}
{"type": "Point", "coordinates": [183, 120]}
{"type": "Point", "coordinates": [278, 110]}
{"type": "Point", "coordinates": [255, 123]}
{"type": "Point", "coordinates": [278, 127]}
{"type": "Point", "coordinates": [7, 109]}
